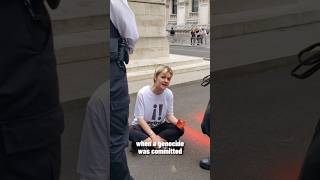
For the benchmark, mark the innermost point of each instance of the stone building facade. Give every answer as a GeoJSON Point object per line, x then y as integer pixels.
{"type": "Point", "coordinates": [185, 14]}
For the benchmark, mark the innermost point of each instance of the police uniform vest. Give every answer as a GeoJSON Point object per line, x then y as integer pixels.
{"type": "Point", "coordinates": [29, 98]}
{"type": "Point", "coordinates": [114, 40]}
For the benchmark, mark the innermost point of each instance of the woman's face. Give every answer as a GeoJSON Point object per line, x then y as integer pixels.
{"type": "Point", "coordinates": [162, 81]}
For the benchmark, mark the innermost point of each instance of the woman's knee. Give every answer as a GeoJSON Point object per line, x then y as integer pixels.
{"type": "Point", "coordinates": [181, 131]}
{"type": "Point", "coordinates": [136, 133]}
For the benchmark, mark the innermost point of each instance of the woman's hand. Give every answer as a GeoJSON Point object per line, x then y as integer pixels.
{"type": "Point", "coordinates": [180, 123]}
{"type": "Point", "coordinates": [156, 139]}
{"type": "Point", "coordinates": [172, 119]}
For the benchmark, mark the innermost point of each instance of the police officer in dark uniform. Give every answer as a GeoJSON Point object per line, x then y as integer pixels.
{"type": "Point", "coordinates": [309, 63]}
{"type": "Point", "coordinates": [311, 166]}
{"type": "Point", "coordinates": [31, 119]}
{"type": "Point", "coordinates": [123, 36]}
{"type": "Point", "coordinates": [119, 106]}
{"type": "Point", "coordinates": [205, 126]}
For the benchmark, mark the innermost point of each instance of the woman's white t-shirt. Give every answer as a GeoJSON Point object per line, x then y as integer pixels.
{"type": "Point", "coordinates": [153, 108]}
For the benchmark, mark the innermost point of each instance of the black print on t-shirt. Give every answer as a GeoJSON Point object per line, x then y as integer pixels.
{"type": "Point", "coordinates": [154, 124]}
{"type": "Point", "coordinates": [154, 114]}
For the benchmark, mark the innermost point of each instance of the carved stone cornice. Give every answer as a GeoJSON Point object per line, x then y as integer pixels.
{"type": "Point", "coordinates": [181, 3]}
{"type": "Point", "coordinates": [203, 1]}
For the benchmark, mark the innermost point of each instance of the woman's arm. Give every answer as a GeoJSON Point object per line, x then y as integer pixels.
{"type": "Point", "coordinates": [144, 125]}
{"type": "Point", "coordinates": [179, 123]}
{"type": "Point", "coordinates": [170, 115]}
{"type": "Point", "coordinates": [152, 136]}
{"type": "Point", "coordinates": [172, 119]}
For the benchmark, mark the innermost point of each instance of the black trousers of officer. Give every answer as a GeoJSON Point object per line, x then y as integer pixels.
{"type": "Point", "coordinates": [31, 120]}
{"type": "Point", "coordinates": [34, 164]}
{"type": "Point", "coordinates": [205, 125]}
{"type": "Point", "coordinates": [311, 166]}
{"type": "Point", "coordinates": [119, 112]}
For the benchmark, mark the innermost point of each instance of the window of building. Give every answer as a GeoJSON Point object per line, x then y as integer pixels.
{"type": "Point", "coordinates": [195, 5]}
{"type": "Point", "coordinates": [174, 6]}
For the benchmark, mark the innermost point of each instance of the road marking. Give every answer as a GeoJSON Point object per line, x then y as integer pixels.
{"type": "Point", "coordinates": [199, 47]}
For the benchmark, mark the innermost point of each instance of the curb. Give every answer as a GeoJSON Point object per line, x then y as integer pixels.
{"type": "Point", "coordinates": [187, 45]}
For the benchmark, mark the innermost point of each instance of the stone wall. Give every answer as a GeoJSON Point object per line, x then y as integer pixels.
{"type": "Point", "coordinates": [234, 18]}
{"type": "Point", "coordinates": [266, 31]}
{"type": "Point", "coordinates": [150, 17]}
{"type": "Point", "coordinates": [231, 6]}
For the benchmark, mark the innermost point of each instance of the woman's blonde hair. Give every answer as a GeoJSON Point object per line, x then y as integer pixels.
{"type": "Point", "coordinates": [160, 68]}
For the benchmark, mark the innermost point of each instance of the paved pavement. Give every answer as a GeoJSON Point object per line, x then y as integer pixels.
{"type": "Point", "coordinates": [198, 51]}
{"type": "Point", "coordinates": [264, 121]}
{"type": "Point", "coordinates": [190, 103]}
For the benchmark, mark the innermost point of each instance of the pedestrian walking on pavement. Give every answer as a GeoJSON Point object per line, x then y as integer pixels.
{"type": "Point", "coordinates": [154, 120]}
{"type": "Point", "coordinates": [193, 37]}
{"type": "Point", "coordinates": [172, 35]}
{"type": "Point", "coordinates": [199, 35]}
{"type": "Point", "coordinates": [205, 36]}
{"type": "Point", "coordinates": [172, 32]}
{"type": "Point", "coordinates": [31, 118]}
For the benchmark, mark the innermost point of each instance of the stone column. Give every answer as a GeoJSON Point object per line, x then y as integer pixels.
{"type": "Point", "coordinates": [150, 17]}
{"type": "Point", "coordinates": [181, 13]}
{"type": "Point", "coordinates": [167, 9]}
{"type": "Point", "coordinates": [204, 9]}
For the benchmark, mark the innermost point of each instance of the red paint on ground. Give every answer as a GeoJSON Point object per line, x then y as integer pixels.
{"type": "Point", "coordinates": [198, 117]}
{"type": "Point", "coordinates": [286, 170]}
{"type": "Point", "coordinates": [196, 137]}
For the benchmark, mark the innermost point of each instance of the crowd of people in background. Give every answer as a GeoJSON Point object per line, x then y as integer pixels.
{"type": "Point", "coordinates": [198, 36]}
